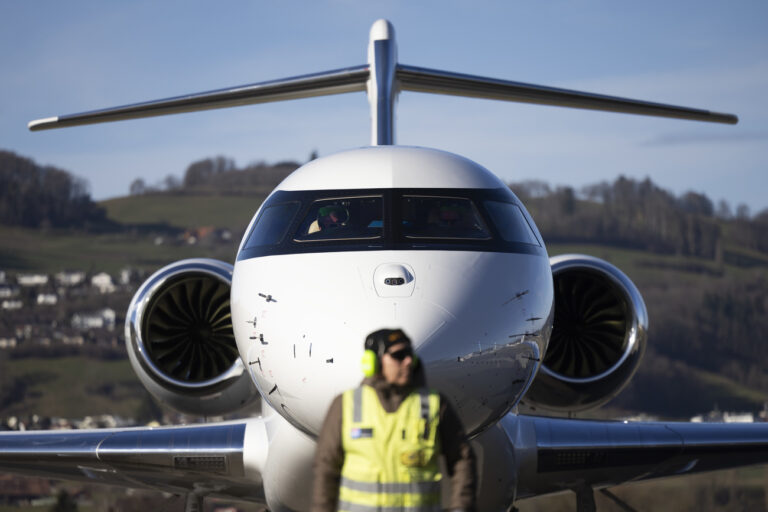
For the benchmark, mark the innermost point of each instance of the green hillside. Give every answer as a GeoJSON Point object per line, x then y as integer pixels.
{"type": "Point", "coordinates": [708, 320]}
{"type": "Point", "coordinates": [233, 212]}
{"type": "Point", "coordinates": [69, 387]}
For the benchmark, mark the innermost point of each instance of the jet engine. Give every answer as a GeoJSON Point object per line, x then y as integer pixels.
{"type": "Point", "coordinates": [598, 336]}
{"type": "Point", "coordinates": [180, 341]}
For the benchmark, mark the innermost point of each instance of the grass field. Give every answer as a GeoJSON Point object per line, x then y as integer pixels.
{"type": "Point", "coordinates": [73, 387]}
{"type": "Point", "coordinates": [185, 211]}
{"type": "Point", "coordinates": [25, 250]}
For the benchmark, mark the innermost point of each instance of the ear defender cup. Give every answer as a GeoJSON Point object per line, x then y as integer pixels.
{"type": "Point", "coordinates": [370, 363]}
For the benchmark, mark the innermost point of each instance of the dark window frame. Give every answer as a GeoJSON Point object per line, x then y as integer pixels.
{"type": "Point", "coordinates": [393, 237]}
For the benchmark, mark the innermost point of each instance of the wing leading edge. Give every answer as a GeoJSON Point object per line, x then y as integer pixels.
{"type": "Point", "coordinates": [205, 460]}
{"type": "Point", "coordinates": [553, 454]}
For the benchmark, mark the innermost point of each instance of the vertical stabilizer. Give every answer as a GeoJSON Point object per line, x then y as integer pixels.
{"type": "Point", "coordinates": [382, 60]}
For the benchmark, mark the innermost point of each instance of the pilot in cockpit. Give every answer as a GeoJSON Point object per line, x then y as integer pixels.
{"type": "Point", "coordinates": [332, 216]}
{"type": "Point", "coordinates": [451, 215]}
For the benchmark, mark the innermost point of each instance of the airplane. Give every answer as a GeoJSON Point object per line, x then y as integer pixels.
{"type": "Point", "coordinates": [385, 236]}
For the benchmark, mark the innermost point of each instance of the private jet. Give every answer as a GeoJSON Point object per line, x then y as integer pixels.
{"type": "Point", "coordinates": [374, 237]}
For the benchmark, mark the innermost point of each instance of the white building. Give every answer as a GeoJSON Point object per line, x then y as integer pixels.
{"type": "Point", "coordinates": [724, 417]}
{"type": "Point", "coordinates": [103, 282]}
{"type": "Point", "coordinates": [10, 305]}
{"type": "Point", "coordinates": [47, 299]}
{"type": "Point", "coordinates": [125, 276]}
{"type": "Point", "coordinates": [32, 279]}
{"type": "Point", "coordinates": [6, 292]}
{"type": "Point", "coordinates": [70, 278]}
{"type": "Point", "coordinates": [103, 319]}
{"type": "Point", "coordinates": [6, 343]}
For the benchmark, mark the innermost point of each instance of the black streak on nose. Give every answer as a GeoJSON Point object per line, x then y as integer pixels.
{"type": "Point", "coordinates": [517, 296]}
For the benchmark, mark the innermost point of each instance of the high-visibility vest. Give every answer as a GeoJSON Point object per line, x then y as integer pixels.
{"type": "Point", "coordinates": [390, 459]}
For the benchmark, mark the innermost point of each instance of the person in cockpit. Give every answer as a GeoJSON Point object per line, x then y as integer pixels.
{"type": "Point", "coordinates": [332, 216]}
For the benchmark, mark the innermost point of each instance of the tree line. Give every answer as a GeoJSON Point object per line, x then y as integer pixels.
{"type": "Point", "coordinates": [630, 213]}
{"type": "Point", "coordinates": [37, 196]}
{"type": "Point", "coordinates": [641, 215]}
{"type": "Point", "coordinates": [221, 175]}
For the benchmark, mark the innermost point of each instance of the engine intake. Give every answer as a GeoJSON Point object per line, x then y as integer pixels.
{"type": "Point", "coordinates": [180, 339]}
{"type": "Point", "coordinates": [598, 336]}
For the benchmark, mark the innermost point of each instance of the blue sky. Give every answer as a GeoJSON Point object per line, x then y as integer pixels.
{"type": "Point", "coordinates": [66, 57]}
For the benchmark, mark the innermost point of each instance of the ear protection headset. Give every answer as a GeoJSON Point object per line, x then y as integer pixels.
{"type": "Point", "coordinates": [376, 344]}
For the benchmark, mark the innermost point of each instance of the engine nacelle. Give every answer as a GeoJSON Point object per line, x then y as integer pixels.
{"type": "Point", "coordinates": [180, 341]}
{"type": "Point", "coordinates": [598, 336]}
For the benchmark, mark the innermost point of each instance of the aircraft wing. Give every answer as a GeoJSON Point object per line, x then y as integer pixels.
{"type": "Point", "coordinates": [335, 81]}
{"type": "Point", "coordinates": [202, 460]}
{"type": "Point", "coordinates": [555, 454]}
{"type": "Point", "coordinates": [418, 79]}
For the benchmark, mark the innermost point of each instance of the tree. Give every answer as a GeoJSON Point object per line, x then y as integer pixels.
{"type": "Point", "coordinates": [138, 187]}
{"type": "Point", "coordinates": [64, 503]}
{"type": "Point", "coordinates": [171, 183]}
{"type": "Point", "coordinates": [724, 210]}
{"type": "Point", "coordinates": [742, 212]}
{"type": "Point", "coordinates": [202, 172]}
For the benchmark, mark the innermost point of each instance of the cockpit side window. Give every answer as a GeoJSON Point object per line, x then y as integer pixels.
{"type": "Point", "coordinates": [272, 224]}
{"type": "Point", "coordinates": [509, 220]}
{"type": "Point", "coordinates": [345, 218]}
{"type": "Point", "coordinates": [442, 217]}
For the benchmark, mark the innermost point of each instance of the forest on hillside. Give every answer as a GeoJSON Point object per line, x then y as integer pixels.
{"type": "Point", "coordinates": [35, 196]}
{"type": "Point", "coordinates": [641, 215]}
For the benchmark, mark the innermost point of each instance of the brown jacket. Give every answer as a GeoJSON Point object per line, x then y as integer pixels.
{"type": "Point", "coordinates": [329, 457]}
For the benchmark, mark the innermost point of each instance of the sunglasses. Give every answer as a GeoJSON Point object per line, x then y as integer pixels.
{"type": "Point", "coordinates": [401, 354]}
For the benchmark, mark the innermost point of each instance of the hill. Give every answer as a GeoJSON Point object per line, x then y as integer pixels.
{"type": "Point", "coordinates": [707, 296]}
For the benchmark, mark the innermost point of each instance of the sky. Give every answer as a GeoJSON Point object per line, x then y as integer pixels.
{"type": "Point", "coordinates": [66, 57]}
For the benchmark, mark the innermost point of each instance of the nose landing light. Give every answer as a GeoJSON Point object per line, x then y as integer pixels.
{"type": "Point", "coordinates": [394, 280]}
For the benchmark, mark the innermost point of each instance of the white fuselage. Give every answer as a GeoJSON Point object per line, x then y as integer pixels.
{"type": "Point", "coordinates": [479, 315]}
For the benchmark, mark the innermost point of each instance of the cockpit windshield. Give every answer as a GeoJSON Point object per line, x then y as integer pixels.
{"type": "Point", "coordinates": [308, 221]}
{"type": "Point", "coordinates": [346, 218]}
{"type": "Point", "coordinates": [442, 217]}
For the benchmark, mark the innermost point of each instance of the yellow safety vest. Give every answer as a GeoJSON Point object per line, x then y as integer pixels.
{"type": "Point", "coordinates": [390, 459]}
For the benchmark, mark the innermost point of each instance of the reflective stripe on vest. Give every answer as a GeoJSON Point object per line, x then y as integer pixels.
{"type": "Point", "coordinates": [354, 507]}
{"type": "Point", "coordinates": [390, 459]}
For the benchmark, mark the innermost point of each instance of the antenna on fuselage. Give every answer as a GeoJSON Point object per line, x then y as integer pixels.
{"type": "Point", "coordinates": [383, 78]}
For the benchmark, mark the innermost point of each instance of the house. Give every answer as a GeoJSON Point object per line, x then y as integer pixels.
{"type": "Point", "coordinates": [32, 279]}
{"type": "Point", "coordinates": [7, 292]}
{"type": "Point", "coordinates": [47, 299]}
{"type": "Point", "coordinates": [103, 282]}
{"type": "Point", "coordinates": [10, 305]}
{"type": "Point", "coordinates": [103, 319]}
{"type": "Point", "coordinates": [18, 491]}
{"type": "Point", "coordinates": [70, 278]}
{"type": "Point", "coordinates": [65, 339]}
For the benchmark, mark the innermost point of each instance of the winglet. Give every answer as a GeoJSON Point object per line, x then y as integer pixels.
{"type": "Point", "coordinates": [42, 124]}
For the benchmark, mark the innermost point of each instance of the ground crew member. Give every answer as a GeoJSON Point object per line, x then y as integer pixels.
{"type": "Point", "coordinates": [379, 445]}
